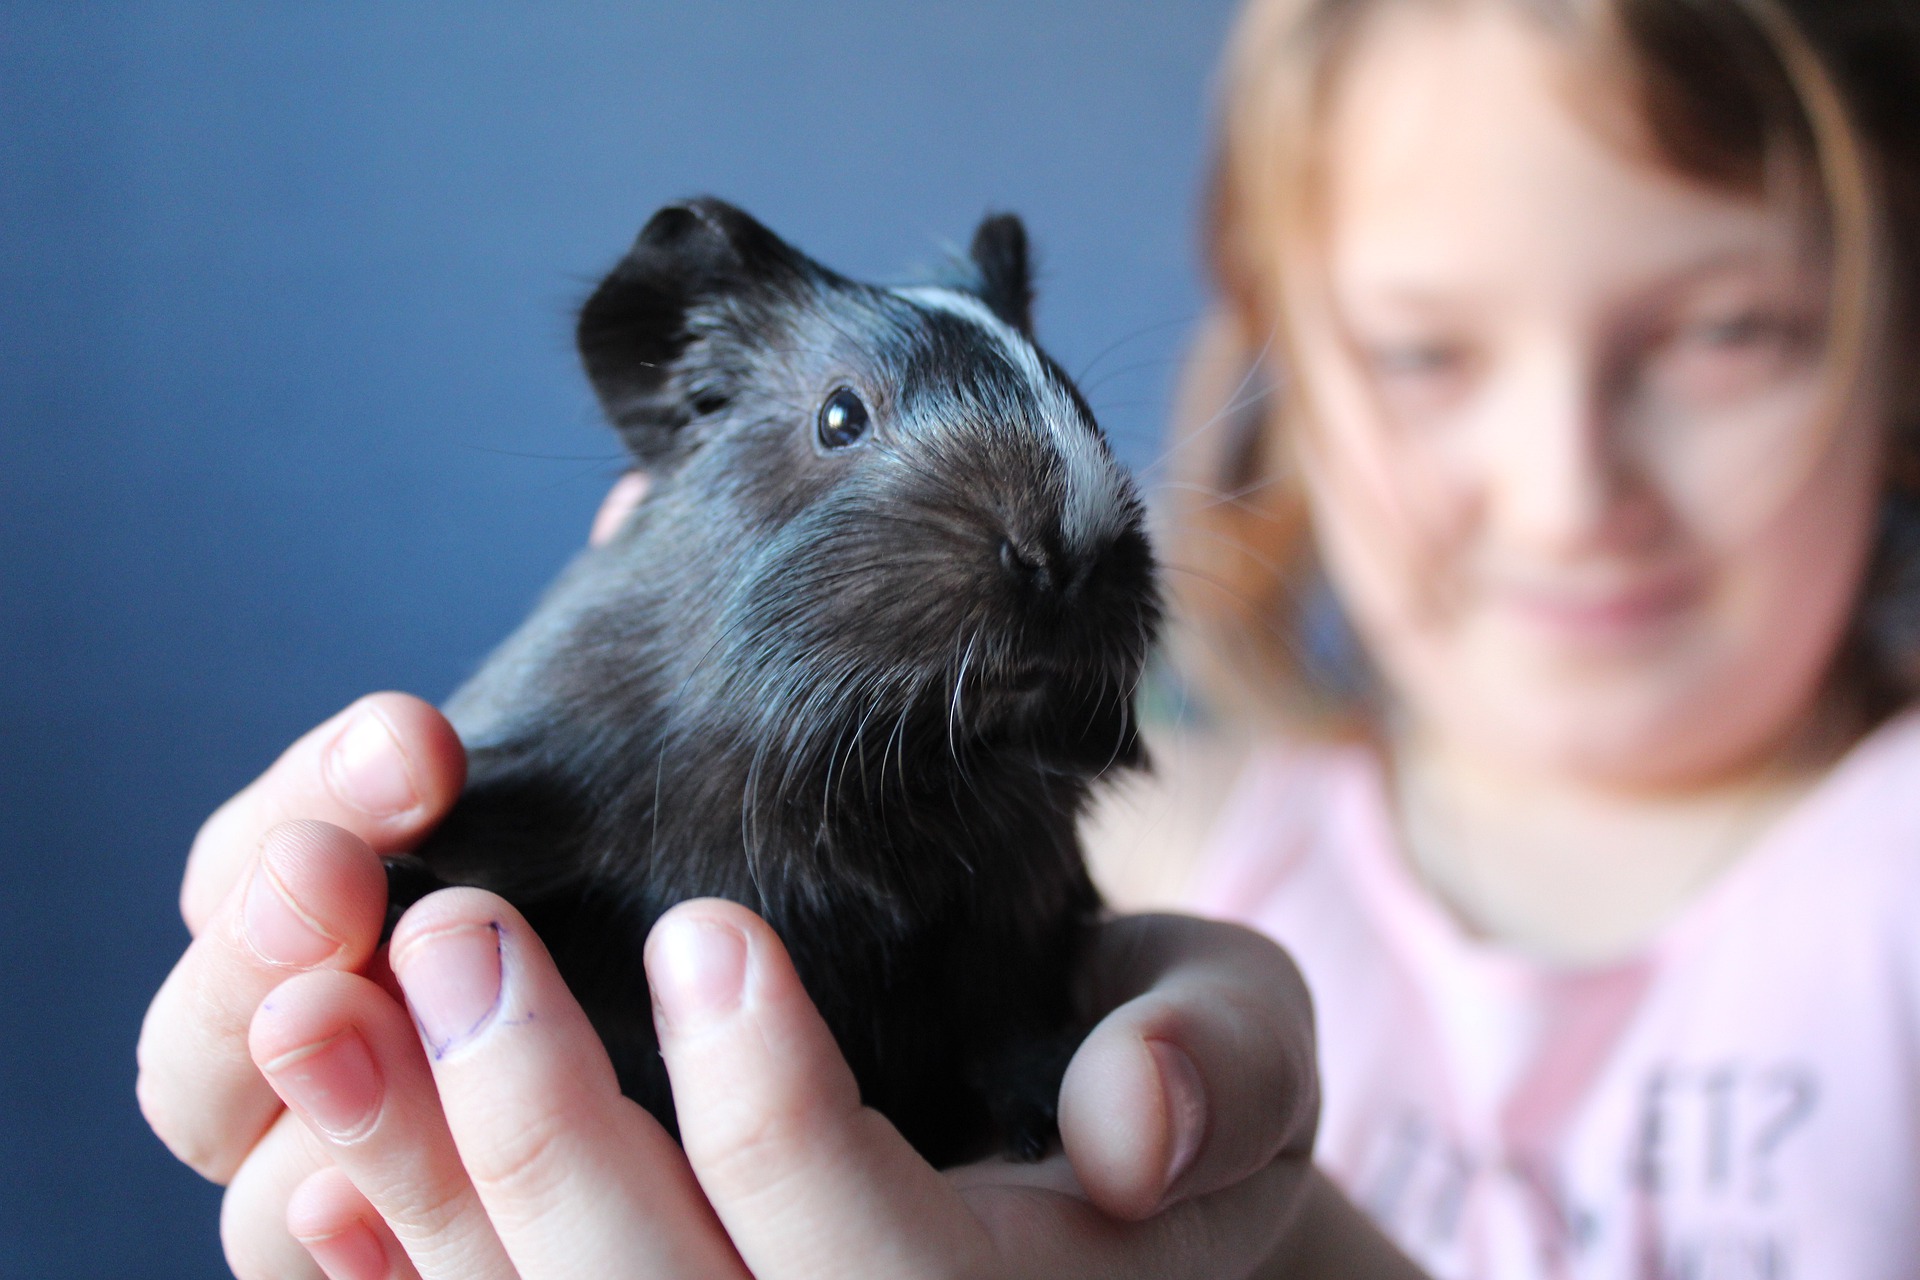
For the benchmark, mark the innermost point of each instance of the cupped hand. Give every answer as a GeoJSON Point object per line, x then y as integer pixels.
{"type": "Point", "coordinates": [486, 1135]}
{"type": "Point", "coordinates": [1186, 1116]}
{"type": "Point", "coordinates": [284, 878]}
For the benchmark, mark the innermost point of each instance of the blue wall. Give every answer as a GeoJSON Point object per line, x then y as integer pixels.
{"type": "Point", "coordinates": [289, 412]}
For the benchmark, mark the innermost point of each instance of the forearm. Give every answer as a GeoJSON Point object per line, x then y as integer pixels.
{"type": "Point", "coordinates": [1330, 1239]}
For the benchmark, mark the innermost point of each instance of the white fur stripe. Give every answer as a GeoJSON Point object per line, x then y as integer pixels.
{"type": "Point", "coordinates": [1095, 507]}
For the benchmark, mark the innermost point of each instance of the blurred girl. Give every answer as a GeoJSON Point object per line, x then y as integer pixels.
{"type": "Point", "coordinates": [1553, 447]}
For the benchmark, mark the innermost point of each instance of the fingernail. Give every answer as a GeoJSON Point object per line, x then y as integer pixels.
{"type": "Point", "coordinates": [275, 926]}
{"type": "Point", "coordinates": [334, 1083]}
{"type": "Point", "coordinates": [696, 969]}
{"type": "Point", "coordinates": [368, 769]}
{"type": "Point", "coordinates": [351, 1253]}
{"type": "Point", "coordinates": [1186, 1106]}
{"type": "Point", "coordinates": [452, 981]}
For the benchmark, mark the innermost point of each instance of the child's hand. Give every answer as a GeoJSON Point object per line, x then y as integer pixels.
{"type": "Point", "coordinates": [284, 878]}
{"type": "Point", "coordinates": [801, 1179]}
{"type": "Point", "coordinates": [506, 1148]}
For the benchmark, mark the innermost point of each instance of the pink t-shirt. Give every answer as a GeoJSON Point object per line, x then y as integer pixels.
{"type": "Point", "coordinates": [1740, 1102]}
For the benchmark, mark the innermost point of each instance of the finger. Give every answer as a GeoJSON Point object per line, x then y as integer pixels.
{"type": "Point", "coordinates": [802, 1175]}
{"type": "Point", "coordinates": [343, 1232]}
{"type": "Point", "coordinates": [387, 768]}
{"type": "Point", "coordinates": [616, 507]}
{"type": "Point", "coordinates": [345, 1059]}
{"type": "Point", "coordinates": [805, 1178]}
{"type": "Point", "coordinates": [578, 1180]}
{"type": "Point", "coordinates": [1329, 1236]}
{"type": "Point", "coordinates": [313, 898]}
{"type": "Point", "coordinates": [1062, 1236]}
{"type": "Point", "coordinates": [253, 1212]}
{"type": "Point", "coordinates": [1218, 1024]}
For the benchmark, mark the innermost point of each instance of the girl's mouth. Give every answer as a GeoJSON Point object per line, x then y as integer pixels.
{"type": "Point", "coordinates": [1602, 613]}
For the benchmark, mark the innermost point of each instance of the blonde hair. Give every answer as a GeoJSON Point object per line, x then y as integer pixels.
{"type": "Point", "coordinates": [1806, 99]}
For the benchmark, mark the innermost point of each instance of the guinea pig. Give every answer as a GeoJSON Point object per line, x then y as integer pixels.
{"type": "Point", "coordinates": [855, 661]}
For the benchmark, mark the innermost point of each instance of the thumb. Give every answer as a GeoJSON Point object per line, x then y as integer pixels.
{"type": "Point", "coordinates": [804, 1177]}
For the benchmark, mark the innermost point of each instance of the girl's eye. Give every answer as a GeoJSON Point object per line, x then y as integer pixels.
{"type": "Point", "coordinates": [1752, 331]}
{"type": "Point", "coordinates": [1414, 361]}
{"type": "Point", "coordinates": [1418, 379]}
{"type": "Point", "coordinates": [1718, 359]}
{"type": "Point", "coordinates": [1745, 331]}
{"type": "Point", "coordinates": [843, 420]}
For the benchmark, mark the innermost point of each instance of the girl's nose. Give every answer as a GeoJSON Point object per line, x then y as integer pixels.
{"type": "Point", "coordinates": [1558, 481]}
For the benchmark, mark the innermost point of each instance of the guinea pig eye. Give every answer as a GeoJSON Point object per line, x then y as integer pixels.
{"type": "Point", "coordinates": [843, 419]}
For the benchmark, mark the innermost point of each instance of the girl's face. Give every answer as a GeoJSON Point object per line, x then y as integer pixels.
{"type": "Point", "coordinates": [1577, 465]}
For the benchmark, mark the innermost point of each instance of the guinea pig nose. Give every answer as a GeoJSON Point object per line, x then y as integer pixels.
{"type": "Point", "coordinates": [1030, 565]}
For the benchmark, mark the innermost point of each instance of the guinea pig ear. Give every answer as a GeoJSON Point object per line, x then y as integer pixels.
{"type": "Point", "coordinates": [634, 328]}
{"type": "Point", "coordinates": [999, 251]}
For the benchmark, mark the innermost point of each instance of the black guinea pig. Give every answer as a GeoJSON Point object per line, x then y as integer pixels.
{"type": "Point", "coordinates": [855, 662]}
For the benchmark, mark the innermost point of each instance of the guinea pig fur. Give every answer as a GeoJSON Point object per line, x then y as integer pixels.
{"type": "Point", "coordinates": [855, 661]}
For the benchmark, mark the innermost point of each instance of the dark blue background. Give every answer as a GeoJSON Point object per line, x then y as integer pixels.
{"type": "Point", "coordinates": [289, 411]}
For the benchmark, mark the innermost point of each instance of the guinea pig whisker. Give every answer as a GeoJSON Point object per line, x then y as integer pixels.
{"type": "Point", "coordinates": [1225, 413]}
{"type": "Point", "coordinates": [659, 779]}
{"type": "Point", "coordinates": [670, 740]}
{"type": "Point", "coordinates": [963, 764]}
{"type": "Point", "coordinates": [1093, 712]}
{"type": "Point", "coordinates": [749, 821]}
{"type": "Point", "coordinates": [807, 727]}
{"type": "Point", "coordinates": [1241, 545]}
{"type": "Point", "coordinates": [618, 455]}
{"type": "Point", "coordinates": [1253, 613]}
{"type": "Point", "coordinates": [848, 753]}
{"type": "Point", "coordinates": [1217, 498]}
{"type": "Point", "coordinates": [897, 743]}
{"type": "Point", "coordinates": [953, 704]}
{"type": "Point", "coordinates": [866, 781]}
{"type": "Point", "coordinates": [1105, 407]}
{"type": "Point", "coordinates": [1152, 362]}
{"type": "Point", "coordinates": [1135, 336]}
{"type": "Point", "coordinates": [1231, 406]}
{"type": "Point", "coordinates": [854, 752]}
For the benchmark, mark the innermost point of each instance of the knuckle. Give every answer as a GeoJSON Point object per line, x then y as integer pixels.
{"type": "Point", "coordinates": [1272, 1077]}
{"type": "Point", "coordinates": [204, 1034]}
{"type": "Point", "coordinates": [256, 1247]}
{"type": "Point", "coordinates": [188, 1090]}
{"type": "Point", "coordinates": [526, 1165]}
{"type": "Point", "coordinates": [1009, 1218]}
{"type": "Point", "coordinates": [753, 1151]}
{"type": "Point", "coordinates": [1186, 1245]}
{"type": "Point", "coordinates": [431, 1217]}
{"type": "Point", "coordinates": [190, 1142]}
{"type": "Point", "coordinates": [211, 859]}
{"type": "Point", "coordinates": [210, 832]}
{"type": "Point", "coordinates": [213, 1160]}
{"type": "Point", "coordinates": [1180, 1241]}
{"type": "Point", "coordinates": [179, 1138]}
